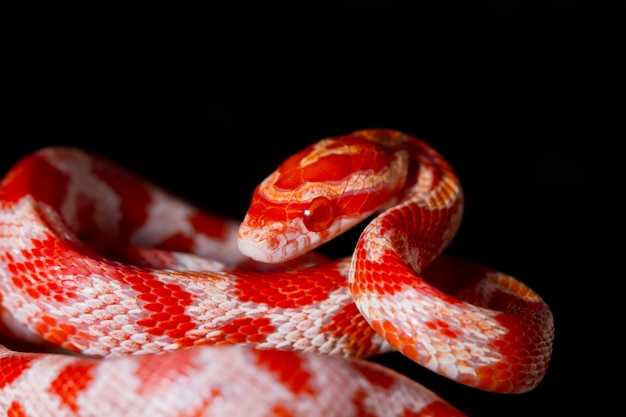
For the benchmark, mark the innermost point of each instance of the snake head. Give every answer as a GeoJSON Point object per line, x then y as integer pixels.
{"type": "Point", "coordinates": [320, 192]}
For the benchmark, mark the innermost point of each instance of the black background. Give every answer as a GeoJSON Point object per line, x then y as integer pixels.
{"type": "Point", "coordinates": [523, 98]}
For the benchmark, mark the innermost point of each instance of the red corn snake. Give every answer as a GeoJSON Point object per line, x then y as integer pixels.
{"type": "Point", "coordinates": [98, 261]}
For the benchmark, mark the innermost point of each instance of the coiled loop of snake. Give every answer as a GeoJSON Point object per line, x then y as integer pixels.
{"type": "Point", "coordinates": [100, 262]}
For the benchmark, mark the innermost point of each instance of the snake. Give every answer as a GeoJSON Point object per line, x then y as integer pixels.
{"type": "Point", "coordinates": [142, 303]}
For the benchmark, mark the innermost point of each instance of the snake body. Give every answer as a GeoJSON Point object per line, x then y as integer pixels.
{"type": "Point", "coordinates": [173, 311]}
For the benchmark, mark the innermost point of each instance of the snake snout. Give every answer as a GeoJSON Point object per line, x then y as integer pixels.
{"type": "Point", "coordinates": [260, 244]}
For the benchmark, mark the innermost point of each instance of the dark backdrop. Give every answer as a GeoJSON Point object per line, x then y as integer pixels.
{"type": "Point", "coordinates": [523, 98]}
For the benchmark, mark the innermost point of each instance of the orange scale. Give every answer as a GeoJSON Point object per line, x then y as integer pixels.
{"type": "Point", "coordinates": [43, 290]}
{"type": "Point", "coordinates": [41, 328]}
{"type": "Point", "coordinates": [153, 307]}
{"type": "Point", "coordinates": [485, 372]}
{"type": "Point", "coordinates": [185, 341]}
{"type": "Point", "coordinates": [249, 330]}
{"type": "Point", "coordinates": [316, 291]}
{"type": "Point", "coordinates": [132, 279]}
{"type": "Point", "coordinates": [168, 325]}
{"type": "Point", "coordinates": [410, 351]}
{"type": "Point", "coordinates": [67, 328]}
{"type": "Point", "coordinates": [181, 295]}
{"type": "Point", "coordinates": [405, 339]}
{"type": "Point", "coordinates": [150, 298]}
{"type": "Point", "coordinates": [259, 321]}
{"type": "Point", "coordinates": [54, 287]}
{"type": "Point", "coordinates": [258, 299]}
{"type": "Point", "coordinates": [516, 369]}
{"type": "Point", "coordinates": [145, 290]}
{"type": "Point", "coordinates": [230, 327]}
{"type": "Point", "coordinates": [378, 327]}
{"type": "Point", "coordinates": [155, 285]}
{"type": "Point", "coordinates": [175, 333]}
{"type": "Point", "coordinates": [70, 294]}
{"type": "Point", "coordinates": [161, 316]}
{"type": "Point", "coordinates": [147, 322]}
{"type": "Point", "coordinates": [181, 318]}
{"type": "Point", "coordinates": [173, 287]}
{"type": "Point", "coordinates": [276, 298]}
{"type": "Point", "coordinates": [393, 339]}
{"type": "Point", "coordinates": [27, 253]}
{"type": "Point", "coordinates": [449, 334]}
{"type": "Point", "coordinates": [304, 284]}
{"type": "Point", "coordinates": [236, 338]}
{"type": "Point", "coordinates": [257, 338]}
{"type": "Point", "coordinates": [34, 293]}
{"type": "Point", "coordinates": [186, 326]}
{"type": "Point", "coordinates": [169, 301]}
{"type": "Point", "coordinates": [286, 304]}
{"type": "Point", "coordinates": [268, 329]}
{"type": "Point", "coordinates": [147, 278]}
{"type": "Point", "coordinates": [56, 336]}
{"type": "Point", "coordinates": [17, 281]}
{"type": "Point", "coordinates": [160, 291]}
{"type": "Point", "coordinates": [320, 297]}
{"type": "Point", "coordinates": [287, 289]}
{"type": "Point", "coordinates": [325, 289]}
{"type": "Point", "coordinates": [30, 267]}
{"type": "Point", "coordinates": [175, 309]}
{"type": "Point", "coordinates": [13, 268]}
{"type": "Point", "coordinates": [213, 340]}
{"type": "Point", "coordinates": [508, 349]}
{"type": "Point", "coordinates": [431, 325]}
{"type": "Point", "coordinates": [268, 292]}
{"type": "Point", "coordinates": [155, 331]}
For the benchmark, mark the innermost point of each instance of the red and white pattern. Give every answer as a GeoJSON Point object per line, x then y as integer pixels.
{"type": "Point", "coordinates": [173, 311]}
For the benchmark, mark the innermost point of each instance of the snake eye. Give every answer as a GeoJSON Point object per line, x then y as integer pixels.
{"type": "Point", "coordinates": [319, 215]}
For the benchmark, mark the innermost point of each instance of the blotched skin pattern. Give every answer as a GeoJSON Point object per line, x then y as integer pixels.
{"type": "Point", "coordinates": [165, 309]}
